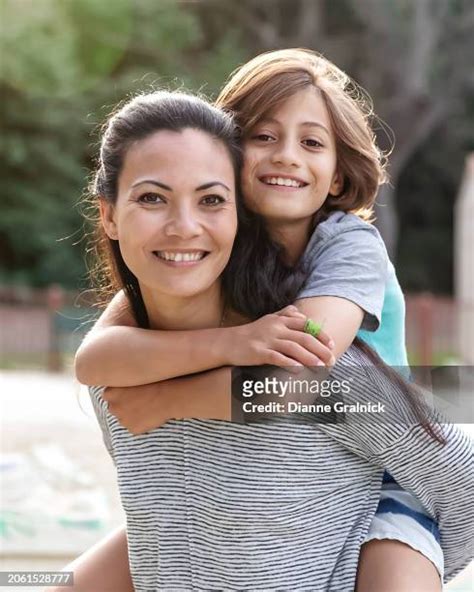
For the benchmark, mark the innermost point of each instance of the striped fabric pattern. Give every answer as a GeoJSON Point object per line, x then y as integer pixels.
{"type": "Point", "coordinates": [283, 504]}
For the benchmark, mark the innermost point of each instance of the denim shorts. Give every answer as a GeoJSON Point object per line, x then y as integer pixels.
{"type": "Point", "coordinates": [401, 517]}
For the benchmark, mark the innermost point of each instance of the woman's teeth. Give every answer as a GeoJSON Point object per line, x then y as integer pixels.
{"type": "Point", "coordinates": [282, 181]}
{"type": "Point", "coordinates": [169, 256]}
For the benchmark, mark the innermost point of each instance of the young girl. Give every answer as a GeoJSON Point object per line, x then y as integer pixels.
{"type": "Point", "coordinates": [301, 158]}
{"type": "Point", "coordinates": [309, 159]}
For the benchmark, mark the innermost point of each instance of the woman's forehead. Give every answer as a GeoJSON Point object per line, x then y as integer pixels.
{"type": "Point", "coordinates": [184, 154]}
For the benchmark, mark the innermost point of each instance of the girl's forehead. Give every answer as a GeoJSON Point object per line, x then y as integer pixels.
{"type": "Point", "coordinates": [305, 108]}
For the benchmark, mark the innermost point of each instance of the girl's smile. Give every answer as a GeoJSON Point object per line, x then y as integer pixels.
{"type": "Point", "coordinates": [290, 164]}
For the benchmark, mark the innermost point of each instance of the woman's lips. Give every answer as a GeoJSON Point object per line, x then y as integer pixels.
{"type": "Point", "coordinates": [180, 259]}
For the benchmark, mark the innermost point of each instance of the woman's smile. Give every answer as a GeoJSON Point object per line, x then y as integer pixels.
{"type": "Point", "coordinates": [176, 230]}
{"type": "Point", "coordinates": [186, 258]}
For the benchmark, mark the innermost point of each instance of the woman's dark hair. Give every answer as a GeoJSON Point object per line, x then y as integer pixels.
{"type": "Point", "coordinates": [256, 278]}
{"type": "Point", "coordinates": [140, 117]}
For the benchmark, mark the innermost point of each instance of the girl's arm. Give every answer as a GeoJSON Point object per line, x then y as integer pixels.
{"type": "Point", "coordinates": [341, 319]}
{"type": "Point", "coordinates": [116, 353]}
{"type": "Point", "coordinates": [201, 396]}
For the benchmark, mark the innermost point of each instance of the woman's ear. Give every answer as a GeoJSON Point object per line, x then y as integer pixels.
{"type": "Point", "coordinates": [337, 185]}
{"type": "Point", "coordinates": [107, 216]}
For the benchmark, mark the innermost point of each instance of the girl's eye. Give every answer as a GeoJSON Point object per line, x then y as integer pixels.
{"type": "Point", "coordinates": [313, 143]}
{"type": "Point", "coordinates": [262, 137]}
{"type": "Point", "coordinates": [150, 198]}
{"type": "Point", "coordinates": [212, 200]}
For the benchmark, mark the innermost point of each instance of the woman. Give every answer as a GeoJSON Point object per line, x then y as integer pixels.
{"type": "Point", "coordinates": [150, 231]}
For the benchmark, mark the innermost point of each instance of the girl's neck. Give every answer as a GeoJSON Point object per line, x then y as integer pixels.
{"type": "Point", "coordinates": [171, 313]}
{"type": "Point", "coordinates": [293, 236]}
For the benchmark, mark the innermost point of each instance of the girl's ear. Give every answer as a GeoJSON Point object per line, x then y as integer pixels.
{"type": "Point", "coordinates": [337, 185]}
{"type": "Point", "coordinates": [107, 216]}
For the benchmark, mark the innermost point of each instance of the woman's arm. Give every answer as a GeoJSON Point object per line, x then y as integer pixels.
{"type": "Point", "coordinates": [116, 353]}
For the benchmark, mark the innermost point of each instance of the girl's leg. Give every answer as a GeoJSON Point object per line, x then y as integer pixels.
{"type": "Point", "coordinates": [103, 568]}
{"type": "Point", "coordinates": [392, 566]}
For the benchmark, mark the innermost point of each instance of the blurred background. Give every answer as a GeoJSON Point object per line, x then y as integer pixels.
{"type": "Point", "coordinates": [65, 64]}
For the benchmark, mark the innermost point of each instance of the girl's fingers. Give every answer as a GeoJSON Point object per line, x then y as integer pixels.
{"type": "Point", "coordinates": [287, 311]}
{"type": "Point", "coordinates": [297, 324]}
{"type": "Point", "coordinates": [308, 342]}
{"type": "Point", "coordinates": [298, 352]}
{"type": "Point", "coordinates": [315, 346]}
{"type": "Point", "coordinates": [324, 338]}
{"type": "Point", "coordinates": [275, 358]}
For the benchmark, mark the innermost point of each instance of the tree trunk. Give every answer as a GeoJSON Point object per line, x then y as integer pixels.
{"type": "Point", "coordinates": [387, 219]}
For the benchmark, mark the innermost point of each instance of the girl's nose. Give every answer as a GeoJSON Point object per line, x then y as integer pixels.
{"type": "Point", "coordinates": [286, 154]}
{"type": "Point", "coordinates": [183, 223]}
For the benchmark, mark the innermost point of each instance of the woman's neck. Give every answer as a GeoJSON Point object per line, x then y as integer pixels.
{"type": "Point", "coordinates": [293, 236]}
{"type": "Point", "coordinates": [172, 313]}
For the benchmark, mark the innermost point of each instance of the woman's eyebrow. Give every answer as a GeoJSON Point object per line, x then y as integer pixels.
{"type": "Point", "coordinates": [211, 184]}
{"type": "Point", "coordinates": [152, 182]}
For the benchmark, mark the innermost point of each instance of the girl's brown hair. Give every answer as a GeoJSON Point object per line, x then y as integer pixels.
{"type": "Point", "coordinates": [266, 81]}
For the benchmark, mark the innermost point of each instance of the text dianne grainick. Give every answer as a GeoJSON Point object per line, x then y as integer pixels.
{"type": "Point", "coordinates": [297, 407]}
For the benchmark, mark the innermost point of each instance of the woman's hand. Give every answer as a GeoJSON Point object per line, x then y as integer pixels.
{"type": "Point", "coordinates": [278, 339]}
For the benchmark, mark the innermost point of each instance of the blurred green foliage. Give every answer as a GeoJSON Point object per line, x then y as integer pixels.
{"type": "Point", "coordinates": [66, 63]}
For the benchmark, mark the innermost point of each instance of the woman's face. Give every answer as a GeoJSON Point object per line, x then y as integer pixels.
{"type": "Point", "coordinates": [175, 217]}
{"type": "Point", "coordinates": [290, 163]}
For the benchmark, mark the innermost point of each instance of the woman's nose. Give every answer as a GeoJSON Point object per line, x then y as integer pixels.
{"type": "Point", "coordinates": [286, 154]}
{"type": "Point", "coordinates": [183, 223]}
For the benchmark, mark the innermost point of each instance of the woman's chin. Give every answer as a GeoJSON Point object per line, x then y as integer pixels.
{"type": "Point", "coordinates": [177, 290]}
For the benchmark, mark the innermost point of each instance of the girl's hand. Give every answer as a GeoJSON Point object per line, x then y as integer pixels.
{"type": "Point", "coordinates": [278, 339]}
{"type": "Point", "coordinates": [139, 409]}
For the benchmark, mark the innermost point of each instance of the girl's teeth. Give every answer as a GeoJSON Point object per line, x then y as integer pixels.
{"type": "Point", "coordinates": [283, 182]}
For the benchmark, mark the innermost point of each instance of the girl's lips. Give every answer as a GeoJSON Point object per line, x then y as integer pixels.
{"type": "Point", "coordinates": [285, 180]}
{"type": "Point", "coordinates": [283, 187]}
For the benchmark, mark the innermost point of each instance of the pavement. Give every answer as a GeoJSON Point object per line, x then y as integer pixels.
{"type": "Point", "coordinates": [49, 418]}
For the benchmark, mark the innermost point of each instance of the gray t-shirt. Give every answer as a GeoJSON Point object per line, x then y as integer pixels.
{"type": "Point", "coordinates": [346, 257]}
{"type": "Point", "coordinates": [286, 503]}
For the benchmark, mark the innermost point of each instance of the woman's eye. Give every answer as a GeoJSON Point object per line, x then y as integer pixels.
{"type": "Point", "coordinates": [212, 200]}
{"type": "Point", "coordinates": [313, 143]}
{"type": "Point", "coordinates": [150, 198]}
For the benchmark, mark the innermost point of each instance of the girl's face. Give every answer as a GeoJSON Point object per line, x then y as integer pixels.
{"type": "Point", "coordinates": [175, 217]}
{"type": "Point", "coordinates": [290, 163]}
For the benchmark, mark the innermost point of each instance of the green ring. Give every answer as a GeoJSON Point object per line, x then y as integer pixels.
{"type": "Point", "coordinates": [312, 328]}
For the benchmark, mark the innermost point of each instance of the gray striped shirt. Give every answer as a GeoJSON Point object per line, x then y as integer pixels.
{"type": "Point", "coordinates": [282, 504]}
